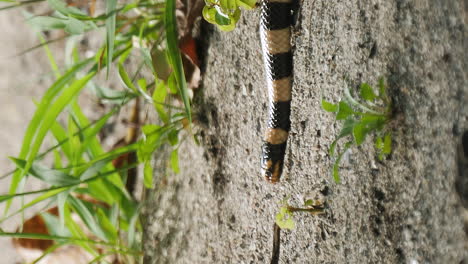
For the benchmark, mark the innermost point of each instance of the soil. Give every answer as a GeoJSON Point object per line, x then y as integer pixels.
{"type": "Point", "coordinates": [405, 209]}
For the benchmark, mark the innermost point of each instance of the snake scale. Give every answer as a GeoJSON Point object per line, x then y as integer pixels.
{"type": "Point", "coordinates": [275, 35]}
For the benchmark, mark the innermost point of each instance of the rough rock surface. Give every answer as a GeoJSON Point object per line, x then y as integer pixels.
{"type": "Point", "coordinates": [403, 210]}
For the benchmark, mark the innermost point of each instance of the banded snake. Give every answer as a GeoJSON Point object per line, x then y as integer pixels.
{"type": "Point", "coordinates": [275, 36]}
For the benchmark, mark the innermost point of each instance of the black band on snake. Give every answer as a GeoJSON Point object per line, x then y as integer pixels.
{"type": "Point", "coordinates": [275, 35]}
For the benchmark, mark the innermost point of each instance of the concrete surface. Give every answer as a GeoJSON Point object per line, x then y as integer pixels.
{"type": "Point", "coordinates": [402, 210]}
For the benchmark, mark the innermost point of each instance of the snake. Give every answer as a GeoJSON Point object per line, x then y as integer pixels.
{"type": "Point", "coordinates": [275, 36]}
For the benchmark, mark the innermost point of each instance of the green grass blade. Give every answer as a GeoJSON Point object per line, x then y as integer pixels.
{"type": "Point", "coordinates": [110, 31]}
{"type": "Point", "coordinates": [77, 231]}
{"type": "Point", "coordinates": [109, 229]}
{"type": "Point", "coordinates": [159, 98]}
{"type": "Point", "coordinates": [61, 7]}
{"type": "Point", "coordinates": [90, 140]}
{"type": "Point", "coordinates": [49, 193]}
{"type": "Point", "coordinates": [50, 237]}
{"type": "Point", "coordinates": [50, 56]}
{"type": "Point", "coordinates": [38, 117]}
{"type": "Point", "coordinates": [148, 175]}
{"type": "Point", "coordinates": [53, 225]}
{"type": "Point", "coordinates": [336, 165]}
{"type": "Point", "coordinates": [49, 118]}
{"type": "Point", "coordinates": [88, 218]}
{"type": "Point", "coordinates": [48, 251]}
{"type": "Point", "coordinates": [59, 189]}
{"type": "Point", "coordinates": [175, 161]}
{"type": "Point", "coordinates": [18, 4]}
{"type": "Point", "coordinates": [50, 176]}
{"type": "Point", "coordinates": [174, 55]}
{"type": "Point", "coordinates": [61, 136]}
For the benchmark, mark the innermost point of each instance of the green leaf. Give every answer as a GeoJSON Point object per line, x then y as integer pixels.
{"type": "Point", "coordinates": [346, 130]}
{"type": "Point", "coordinates": [148, 175]}
{"type": "Point", "coordinates": [231, 5]}
{"type": "Point", "coordinates": [50, 56]}
{"type": "Point", "coordinates": [142, 84]}
{"type": "Point", "coordinates": [132, 228]}
{"type": "Point", "coordinates": [336, 165]}
{"type": "Point", "coordinates": [232, 21]}
{"type": "Point", "coordinates": [53, 225]}
{"type": "Point", "coordinates": [49, 118]}
{"type": "Point", "coordinates": [309, 202]}
{"type": "Point", "coordinates": [209, 14]}
{"type": "Point", "coordinates": [49, 250]}
{"type": "Point", "coordinates": [284, 219]}
{"type": "Point", "coordinates": [91, 134]}
{"type": "Point", "coordinates": [50, 176]}
{"type": "Point", "coordinates": [329, 107]}
{"type": "Point", "coordinates": [62, 138]}
{"type": "Point", "coordinates": [126, 80]}
{"type": "Point", "coordinates": [110, 95]}
{"type": "Point", "coordinates": [174, 55]}
{"type": "Point", "coordinates": [222, 20]}
{"type": "Point", "coordinates": [57, 159]}
{"type": "Point", "coordinates": [175, 161]}
{"type": "Point", "coordinates": [74, 26]}
{"type": "Point", "coordinates": [47, 23]}
{"type": "Point", "coordinates": [160, 64]}
{"type": "Point", "coordinates": [38, 117]}
{"type": "Point", "coordinates": [66, 10]}
{"type": "Point", "coordinates": [387, 145]}
{"type": "Point", "coordinates": [379, 143]}
{"type": "Point", "coordinates": [247, 4]}
{"type": "Point", "coordinates": [88, 218]}
{"type": "Point", "coordinates": [224, 5]}
{"type": "Point", "coordinates": [159, 98]}
{"type": "Point", "coordinates": [359, 133]}
{"type": "Point", "coordinates": [155, 136]}
{"type": "Point", "coordinates": [336, 174]}
{"type": "Point", "coordinates": [382, 89]}
{"type": "Point", "coordinates": [77, 231]}
{"type": "Point", "coordinates": [344, 111]}
{"type": "Point", "coordinates": [367, 93]}
{"type": "Point", "coordinates": [110, 31]}
{"type": "Point", "coordinates": [172, 84]}
{"type": "Point", "coordinates": [61, 200]}
{"type": "Point", "coordinates": [50, 237]}
{"type": "Point", "coordinates": [50, 192]}
{"type": "Point", "coordinates": [146, 54]}
{"type": "Point", "coordinates": [109, 229]}
{"type": "Point", "coordinates": [173, 137]}
{"type": "Point", "coordinates": [74, 140]}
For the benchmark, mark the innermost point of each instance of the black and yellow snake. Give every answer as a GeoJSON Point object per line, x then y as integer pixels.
{"type": "Point", "coordinates": [275, 35]}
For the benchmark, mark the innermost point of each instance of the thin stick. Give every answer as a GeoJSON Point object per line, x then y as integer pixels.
{"type": "Point", "coordinates": [276, 244]}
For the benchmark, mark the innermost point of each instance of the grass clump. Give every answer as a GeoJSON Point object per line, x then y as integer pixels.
{"type": "Point", "coordinates": [361, 117]}
{"type": "Point", "coordinates": [84, 180]}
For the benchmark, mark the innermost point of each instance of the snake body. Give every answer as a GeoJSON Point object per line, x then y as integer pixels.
{"type": "Point", "coordinates": [275, 35]}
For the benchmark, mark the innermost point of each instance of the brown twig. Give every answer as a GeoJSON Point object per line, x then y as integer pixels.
{"type": "Point", "coordinates": [276, 244]}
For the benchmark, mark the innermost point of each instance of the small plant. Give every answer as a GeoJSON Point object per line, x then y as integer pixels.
{"type": "Point", "coordinates": [225, 13]}
{"type": "Point", "coordinates": [361, 118]}
{"type": "Point", "coordinates": [284, 218]}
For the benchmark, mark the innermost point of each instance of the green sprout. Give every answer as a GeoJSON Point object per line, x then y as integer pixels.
{"type": "Point", "coordinates": [284, 218]}
{"type": "Point", "coordinates": [225, 13]}
{"type": "Point", "coordinates": [361, 118]}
